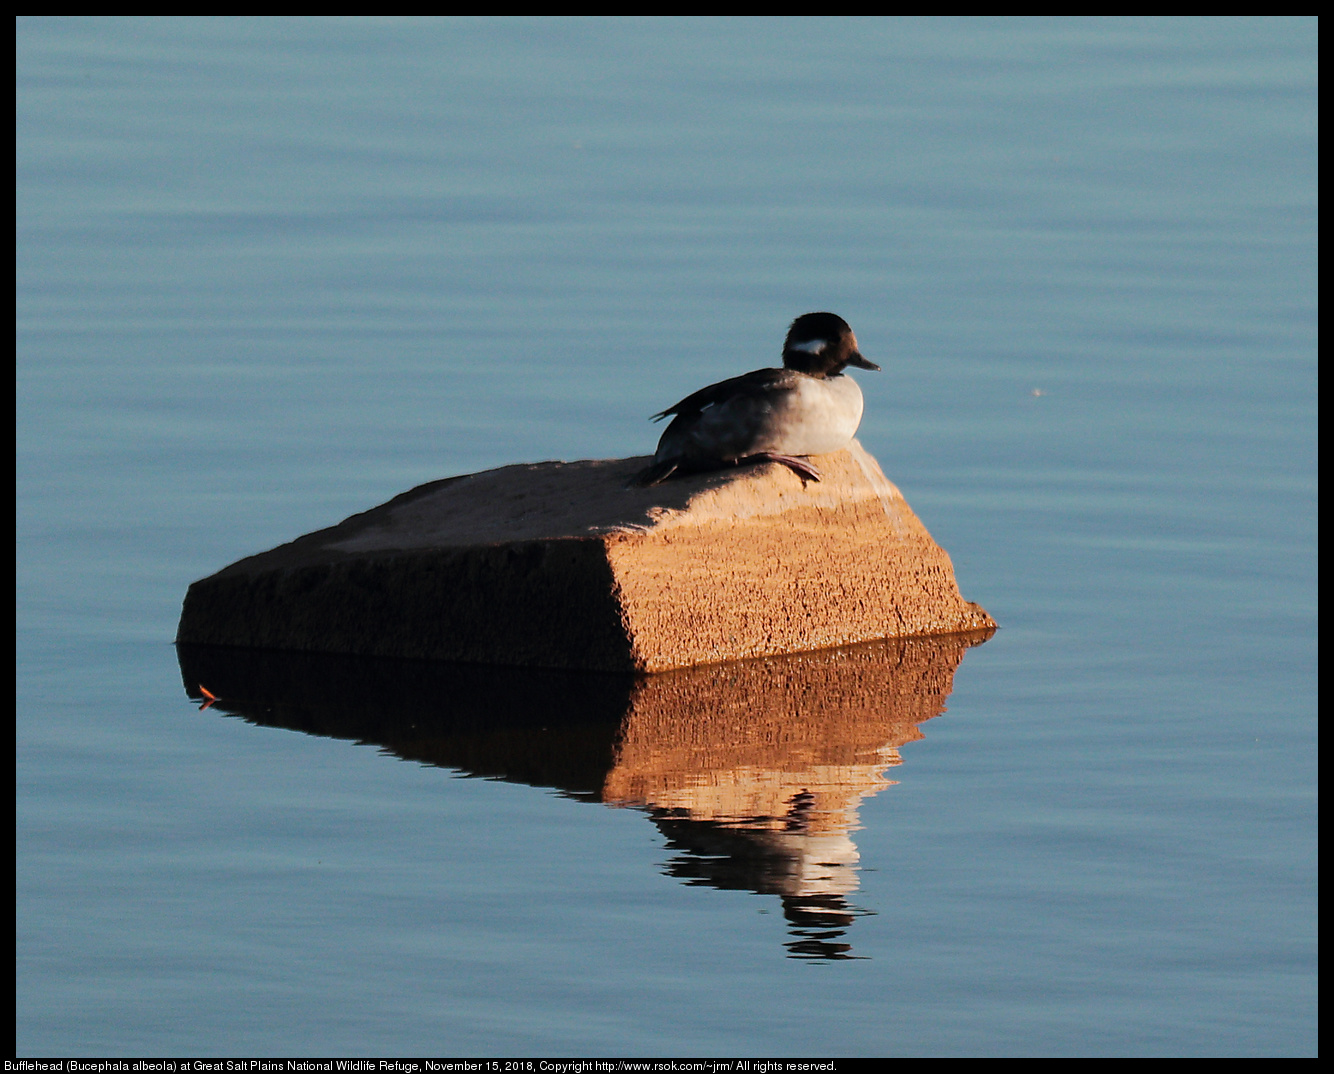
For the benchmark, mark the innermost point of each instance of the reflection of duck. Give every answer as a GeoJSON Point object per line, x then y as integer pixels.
{"type": "Point", "coordinates": [808, 407]}
{"type": "Point", "coordinates": [753, 771]}
{"type": "Point", "coordinates": [812, 874]}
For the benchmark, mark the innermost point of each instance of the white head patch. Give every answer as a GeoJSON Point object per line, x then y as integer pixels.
{"type": "Point", "coordinates": [810, 346]}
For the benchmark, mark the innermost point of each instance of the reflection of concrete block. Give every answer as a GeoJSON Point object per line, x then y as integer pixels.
{"type": "Point", "coordinates": [562, 565]}
{"type": "Point", "coordinates": [752, 771]}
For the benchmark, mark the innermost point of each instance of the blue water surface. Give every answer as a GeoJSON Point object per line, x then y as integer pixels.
{"type": "Point", "coordinates": [273, 271]}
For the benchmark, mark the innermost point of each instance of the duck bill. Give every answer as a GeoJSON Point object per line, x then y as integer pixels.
{"type": "Point", "coordinates": [862, 363]}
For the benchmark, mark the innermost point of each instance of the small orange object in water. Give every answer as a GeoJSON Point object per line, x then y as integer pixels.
{"type": "Point", "coordinates": [211, 697]}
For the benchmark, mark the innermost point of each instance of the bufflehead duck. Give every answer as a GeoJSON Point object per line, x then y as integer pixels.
{"type": "Point", "coordinates": [771, 415]}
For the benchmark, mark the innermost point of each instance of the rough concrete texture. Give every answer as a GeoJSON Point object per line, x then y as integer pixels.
{"type": "Point", "coordinates": [565, 565]}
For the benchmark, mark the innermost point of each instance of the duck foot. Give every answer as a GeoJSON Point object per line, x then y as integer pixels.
{"type": "Point", "coordinates": [655, 474]}
{"type": "Point", "coordinates": [659, 472]}
{"type": "Point", "coordinates": [800, 467]}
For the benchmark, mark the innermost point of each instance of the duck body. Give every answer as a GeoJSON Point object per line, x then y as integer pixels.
{"type": "Point", "coordinates": [808, 407]}
{"type": "Point", "coordinates": [769, 410]}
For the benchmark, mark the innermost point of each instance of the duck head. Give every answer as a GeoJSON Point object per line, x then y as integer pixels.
{"type": "Point", "coordinates": [822, 345]}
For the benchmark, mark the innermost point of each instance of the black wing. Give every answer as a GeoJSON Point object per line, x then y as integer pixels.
{"type": "Point", "coordinates": [755, 381]}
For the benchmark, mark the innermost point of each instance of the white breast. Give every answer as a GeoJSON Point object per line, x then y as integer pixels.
{"type": "Point", "coordinates": [819, 416]}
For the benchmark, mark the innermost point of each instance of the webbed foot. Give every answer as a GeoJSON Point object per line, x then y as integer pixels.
{"type": "Point", "coordinates": [798, 466]}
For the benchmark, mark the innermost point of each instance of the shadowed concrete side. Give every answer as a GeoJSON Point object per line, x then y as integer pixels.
{"type": "Point", "coordinates": [538, 603]}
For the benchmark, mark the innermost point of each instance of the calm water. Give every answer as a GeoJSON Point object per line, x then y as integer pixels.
{"type": "Point", "coordinates": [273, 272]}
